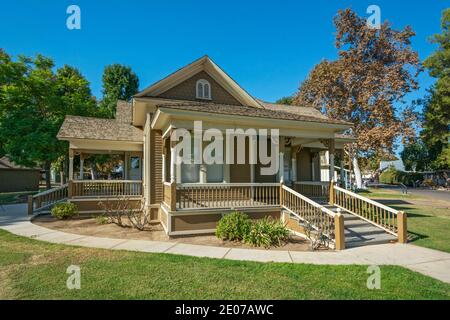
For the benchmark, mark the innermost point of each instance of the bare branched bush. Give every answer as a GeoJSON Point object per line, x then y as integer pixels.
{"type": "Point", "coordinates": [120, 211]}
{"type": "Point", "coordinates": [316, 236]}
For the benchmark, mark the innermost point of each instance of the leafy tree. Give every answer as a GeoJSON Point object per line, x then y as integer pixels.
{"type": "Point", "coordinates": [374, 70]}
{"type": "Point", "coordinates": [285, 100]}
{"type": "Point", "coordinates": [436, 124]}
{"type": "Point", "coordinates": [33, 103]}
{"type": "Point", "coordinates": [119, 83]}
{"type": "Point", "coordinates": [415, 156]}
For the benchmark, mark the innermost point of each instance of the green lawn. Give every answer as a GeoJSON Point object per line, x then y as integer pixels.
{"type": "Point", "coordinates": [30, 269]}
{"type": "Point", "coordinates": [428, 220]}
{"type": "Point", "coordinates": [14, 197]}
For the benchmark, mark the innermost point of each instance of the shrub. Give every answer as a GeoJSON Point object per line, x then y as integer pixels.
{"type": "Point", "coordinates": [266, 232]}
{"type": "Point", "coordinates": [64, 210]}
{"type": "Point", "coordinates": [233, 226]}
{"type": "Point", "coordinates": [389, 176]}
{"type": "Point", "coordinates": [393, 176]}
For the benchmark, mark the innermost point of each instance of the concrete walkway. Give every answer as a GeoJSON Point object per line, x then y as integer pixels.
{"type": "Point", "coordinates": [432, 263]}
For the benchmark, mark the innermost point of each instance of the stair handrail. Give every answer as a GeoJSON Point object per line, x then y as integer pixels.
{"type": "Point", "coordinates": [47, 198]}
{"type": "Point", "coordinates": [331, 224]}
{"type": "Point", "coordinates": [310, 201]}
{"type": "Point", "coordinates": [384, 217]}
{"type": "Point", "coordinates": [375, 203]}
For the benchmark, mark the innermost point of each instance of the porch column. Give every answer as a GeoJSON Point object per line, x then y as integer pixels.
{"type": "Point", "coordinates": [173, 155]}
{"type": "Point", "coordinates": [294, 164]}
{"type": "Point", "coordinates": [71, 154]}
{"type": "Point", "coordinates": [281, 167]}
{"type": "Point", "coordinates": [341, 164]}
{"type": "Point", "coordinates": [81, 166]}
{"type": "Point", "coordinates": [163, 166]}
{"type": "Point", "coordinates": [331, 150]}
{"type": "Point", "coordinates": [281, 160]}
{"type": "Point", "coordinates": [125, 166]}
{"type": "Point", "coordinates": [203, 173]}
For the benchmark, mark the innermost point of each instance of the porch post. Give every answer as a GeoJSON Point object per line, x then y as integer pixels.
{"type": "Point", "coordinates": [341, 164]}
{"type": "Point", "coordinates": [71, 154]}
{"type": "Point", "coordinates": [125, 166]}
{"type": "Point", "coordinates": [173, 156]}
{"type": "Point", "coordinates": [203, 173]}
{"type": "Point", "coordinates": [331, 150]}
{"type": "Point", "coordinates": [163, 166]}
{"type": "Point", "coordinates": [281, 167]}
{"type": "Point", "coordinates": [81, 166]}
{"type": "Point", "coordinates": [294, 164]}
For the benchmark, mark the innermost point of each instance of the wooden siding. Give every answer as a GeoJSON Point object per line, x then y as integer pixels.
{"type": "Point", "coordinates": [156, 192]}
{"type": "Point", "coordinates": [187, 91]}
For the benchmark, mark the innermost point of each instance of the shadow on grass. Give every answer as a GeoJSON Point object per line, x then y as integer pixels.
{"type": "Point", "coordinates": [414, 236]}
{"type": "Point", "coordinates": [392, 201]}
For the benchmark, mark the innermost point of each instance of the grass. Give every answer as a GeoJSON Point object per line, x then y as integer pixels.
{"type": "Point", "coordinates": [428, 222]}
{"type": "Point", "coordinates": [14, 197]}
{"type": "Point", "coordinates": [31, 269]}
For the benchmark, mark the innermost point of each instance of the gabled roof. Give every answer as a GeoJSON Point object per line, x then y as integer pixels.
{"type": "Point", "coordinates": [207, 65]}
{"type": "Point", "coordinates": [303, 111]}
{"type": "Point", "coordinates": [76, 127]}
{"type": "Point", "coordinates": [245, 111]}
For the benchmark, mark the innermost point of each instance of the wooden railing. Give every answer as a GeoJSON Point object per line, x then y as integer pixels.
{"type": "Point", "coordinates": [313, 189]}
{"type": "Point", "coordinates": [384, 217]}
{"type": "Point", "coordinates": [318, 216]}
{"type": "Point", "coordinates": [46, 199]}
{"type": "Point", "coordinates": [104, 188]}
{"type": "Point", "coordinates": [227, 195]}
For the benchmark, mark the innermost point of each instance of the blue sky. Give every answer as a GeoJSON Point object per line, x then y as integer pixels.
{"type": "Point", "coordinates": [267, 46]}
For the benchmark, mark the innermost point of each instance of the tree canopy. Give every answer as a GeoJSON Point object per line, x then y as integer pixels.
{"type": "Point", "coordinates": [436, 122]}
{"type": "Point", "coordinates": [33, 103]}
{"type": "Point", "coordinates": [365, 85]}
{"type": "Point", "coordinates": [119, 83]}
{"type": "Point", "coordinates": [374, 70]}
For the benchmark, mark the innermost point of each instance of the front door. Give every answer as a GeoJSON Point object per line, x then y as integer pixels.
{"type": "Point", "coordinates": [135, 168]}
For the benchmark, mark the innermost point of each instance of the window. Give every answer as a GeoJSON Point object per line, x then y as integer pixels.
{"type": "Point", "coordinates": [135, 162]}
{"type": "Point", "coordinates": [203, 89]}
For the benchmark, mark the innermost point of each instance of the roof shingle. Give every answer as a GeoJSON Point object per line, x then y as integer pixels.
{"type": "Point", "coordinates": [76, 127]}
{"type": "Point", "coordinates": [272, 112]}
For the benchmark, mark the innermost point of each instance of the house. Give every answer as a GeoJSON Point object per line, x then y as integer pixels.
{"type": "Point", "coordinates": [190, 198]}
{"type": "Point", "coordinates": [396, 164]}
{"type": "Point", "coordinates": [15, 178]}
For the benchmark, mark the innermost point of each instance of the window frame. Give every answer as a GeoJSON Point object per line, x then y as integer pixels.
{"type": "Point", "coordinates": [200, 93]}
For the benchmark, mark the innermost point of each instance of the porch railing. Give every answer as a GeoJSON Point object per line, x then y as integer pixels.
{"type": "Point", "coordinates": [46, 199]}
{"type": "Point", "coordinates": [316, 215]}
{"type": "Point", "coordinates": [313, 189]}
{"type": "Point", "coordinates": [229, 195]}
{"type": "Point", "coordinates": [391, 220]}
{"type": "Point", "coordinates": [104, 188]}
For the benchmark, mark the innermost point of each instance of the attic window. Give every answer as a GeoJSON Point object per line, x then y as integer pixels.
{"type": "Point", "coordinates": [203, 89]}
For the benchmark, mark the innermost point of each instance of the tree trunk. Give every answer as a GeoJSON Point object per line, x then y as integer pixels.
{"type": "Point", "coordinates": [358, 177]}
{"type": "Point", "coordinates": [48, 183]}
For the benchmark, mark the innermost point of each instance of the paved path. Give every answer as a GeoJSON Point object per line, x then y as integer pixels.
{"type": "Point", "coordinates": [433, 263]}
